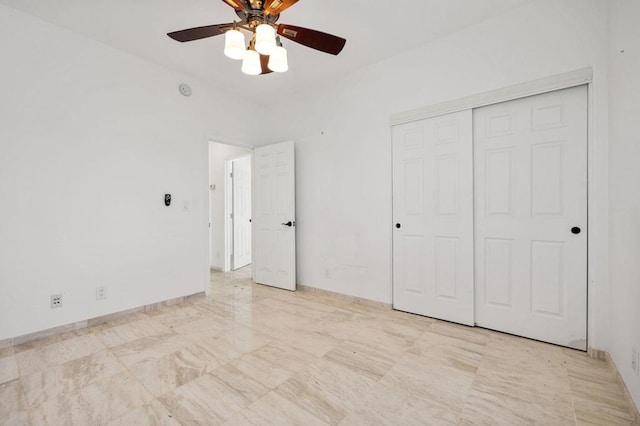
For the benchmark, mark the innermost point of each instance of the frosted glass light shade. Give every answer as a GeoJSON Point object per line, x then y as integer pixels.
{"type": "Point", "coordinates": [251, 63]}
{"type": "Point", "coordinates": [265, 39]}
{"type": "Point", "coordinates": [234, 46]}
{"type": "Point", "coordinates": [278, 60]}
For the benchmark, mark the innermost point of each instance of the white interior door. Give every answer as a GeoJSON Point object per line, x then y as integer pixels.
{"type": "Point", "coordinates": [274, 232]}
{"type": "Point", "coordinates": [531, 217]}
{"type": "Point", "coordinates": [241, 170]}
{"type": "Point", "coordinates": [433, 217]}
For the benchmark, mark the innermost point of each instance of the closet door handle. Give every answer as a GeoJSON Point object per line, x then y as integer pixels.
{"type": "Point", "coordinates": [576, 230]}
{"type": "Point", "coordinates": [398, 226]}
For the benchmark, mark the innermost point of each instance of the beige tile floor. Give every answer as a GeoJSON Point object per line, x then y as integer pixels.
{"type": "Point", "coordinates": [253, 355]}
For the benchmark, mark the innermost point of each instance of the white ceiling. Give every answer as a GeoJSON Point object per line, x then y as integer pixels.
{"type": "Point", "coordinates": [374, 30]}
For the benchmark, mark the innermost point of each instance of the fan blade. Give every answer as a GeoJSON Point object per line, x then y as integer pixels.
{"type": "Point", "coordinates": [275, 7]}
{"type": "Point", "coordinates": [311, 38]}
{"type": "Point", "coordinates": [238, 5]}
{"type": "Point", "coordinates": [199, 32]}
{"type": "Point", "coordinates": [264, 61]}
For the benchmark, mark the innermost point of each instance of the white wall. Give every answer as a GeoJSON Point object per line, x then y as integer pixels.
{"type": "Point", "coordinates": [219, 153]}
{"type": "Point", "coordinates": [343, 138]}
{"type": "Point", "coordinates": [624, 213]}
{"type": "Point", "coordinates": [91, 139]}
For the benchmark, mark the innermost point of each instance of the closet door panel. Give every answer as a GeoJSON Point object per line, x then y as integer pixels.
{"type": "Point", "coordinates": [531, 216]}
{"type": "Point", "coordinates": [433, 217]}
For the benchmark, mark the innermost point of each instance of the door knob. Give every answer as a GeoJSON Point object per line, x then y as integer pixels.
{"type": "Point", "coordinates": [289, 224]}
{"type": "Point", "coordinates": [575, 230]}
{"type": "Point", "coordinates": [398, 226]}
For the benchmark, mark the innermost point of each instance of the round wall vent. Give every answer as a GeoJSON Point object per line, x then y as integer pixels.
{"type": "Point", "coordinates": [185, 89]}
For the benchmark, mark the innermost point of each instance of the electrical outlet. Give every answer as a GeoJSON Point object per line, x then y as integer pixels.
{"type": "Point", "coordinates": [635, 361]}
{"type": "Point", "coordinates": [56, 301]}
{"type": "Point", "coordinates": [101, 293]}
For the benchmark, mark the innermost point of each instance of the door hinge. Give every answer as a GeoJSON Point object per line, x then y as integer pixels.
{"type": "Point", "coordinates": [231, 175]}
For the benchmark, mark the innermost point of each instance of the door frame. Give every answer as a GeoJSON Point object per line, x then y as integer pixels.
{"type": "Point", "coordinates": [597, 220]}
{"type": "Point", "coordinates": [226, 255]}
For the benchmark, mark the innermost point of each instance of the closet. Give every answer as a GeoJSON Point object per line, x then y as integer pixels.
{"type": "Point", "coordinates": [490, 217]}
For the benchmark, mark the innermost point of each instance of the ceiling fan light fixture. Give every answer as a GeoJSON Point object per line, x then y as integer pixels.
{"type": "Point", "coordinates": [234, 44]}
{"type": "Point", "coordinates": [251, 62]}
{"type": "Point", "coordinates": [265, 53]}
{"type": "Point", "coordinates": [278, 60]}
{"type": "Point", "coordinates": [265, 39]}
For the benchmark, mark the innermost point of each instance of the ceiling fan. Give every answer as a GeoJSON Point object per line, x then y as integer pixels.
{"type": "Point", "coordinates": [265, 53]}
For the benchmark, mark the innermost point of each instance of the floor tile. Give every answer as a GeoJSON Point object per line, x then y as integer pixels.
{"type": "Point", "coordinates": [57, 353]}
{"type": "Point", "coordinates": [274, 363]}
{"type": "Point", "coordinates": [272, 409]}
{"type": "Point", "coordinates": [207, 400]}
{"type": "Point", "coordinates": [171, 371]}
{"type": "Point", "coordinates": [151, 414]}
{"type": "Point", "coordinates": [149, 348]}
{"type": "Point", "coordinates": [314, 341]}
{"type": "Point", "coordinates": [12, 403]}
{"type": "Point", "coordinates": [8, 369]}
{"type": "Point", "coordinates": [96, 404]}
{"type": "Point", "coordinates": [326, 390]}
{"type": "Point", "coordinates": [50, 383]}
{"type": "Point", "coordinates": [490, 408]}
{"type": "Point", "coordinates": [115, 396]}
{"type": "Point", "coordinates": [393, 401]}
{"type": "Point", "coordinates": [366, 360]}
{"type": "Point", "coordinates": [128, 332]}
{"type": "Point", "coordinates": [234, 343]}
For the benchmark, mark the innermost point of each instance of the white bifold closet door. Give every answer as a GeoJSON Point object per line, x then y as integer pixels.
{"type": "Point", "coordinates": [433, 217]}
{"type": "Point", "coordinates": [531, 217]}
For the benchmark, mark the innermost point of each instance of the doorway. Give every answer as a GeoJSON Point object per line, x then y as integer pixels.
{"type": "Point", "coordinates": [252, 211]}
{"type": "Point", "coordinates": [229, 206]}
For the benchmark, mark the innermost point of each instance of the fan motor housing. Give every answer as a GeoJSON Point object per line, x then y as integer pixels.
{"type": "Point", "coordinates": [256, 17]}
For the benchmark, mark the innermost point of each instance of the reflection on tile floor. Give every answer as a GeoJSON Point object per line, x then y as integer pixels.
{"type": "Point", "coordinates": [253, 355]}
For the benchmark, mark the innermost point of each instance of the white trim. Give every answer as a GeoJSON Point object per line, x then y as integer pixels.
{"type": "Point", "coordinates": [522, 90]}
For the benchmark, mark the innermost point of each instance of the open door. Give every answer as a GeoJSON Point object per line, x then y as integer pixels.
{"type": "Point", "coordinates": [274, 226]}
{"type": "Point", "coordinates": [241, 178]}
